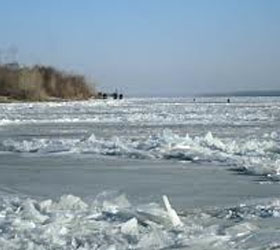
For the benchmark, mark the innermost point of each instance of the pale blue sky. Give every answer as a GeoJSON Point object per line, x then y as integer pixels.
{"type": "Point", "coordinates": [151, 47]}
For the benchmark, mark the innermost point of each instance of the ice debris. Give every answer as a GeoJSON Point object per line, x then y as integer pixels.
{"type": "Point", "coordinates": [171, 212]}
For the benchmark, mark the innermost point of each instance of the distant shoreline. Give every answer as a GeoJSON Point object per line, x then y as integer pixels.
{"type": "Point", "coordinates": [259, 93]}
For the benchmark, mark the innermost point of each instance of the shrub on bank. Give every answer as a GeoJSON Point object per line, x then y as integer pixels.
{"type": "Point", "coordinates": [39, 83]}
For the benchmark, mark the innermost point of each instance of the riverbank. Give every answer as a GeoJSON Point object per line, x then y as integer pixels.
{"type": "Point", "coordinates": [42, 83]}
{"type": "Point", "coordinates": [5, 99]}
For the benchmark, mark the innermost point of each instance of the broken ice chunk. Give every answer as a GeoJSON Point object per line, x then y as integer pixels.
{"type": "Point", "coordinates": [171, 212]}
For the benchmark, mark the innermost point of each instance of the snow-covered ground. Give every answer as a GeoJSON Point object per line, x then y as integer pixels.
{"type": "Point", "coordinates": [91, 175]}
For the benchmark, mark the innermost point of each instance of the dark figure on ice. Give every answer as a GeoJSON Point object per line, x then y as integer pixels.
{"type": "Point", "coordinates": [115, 95]}
{"type": "Point", "coordinates": [228, 100]}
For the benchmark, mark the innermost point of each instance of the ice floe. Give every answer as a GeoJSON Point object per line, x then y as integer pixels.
{"type": "Point", "coordinates": [107, 223]}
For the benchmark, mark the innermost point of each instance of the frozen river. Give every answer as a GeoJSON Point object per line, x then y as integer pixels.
{"type": "Point", "coordinates": [91, 175]}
